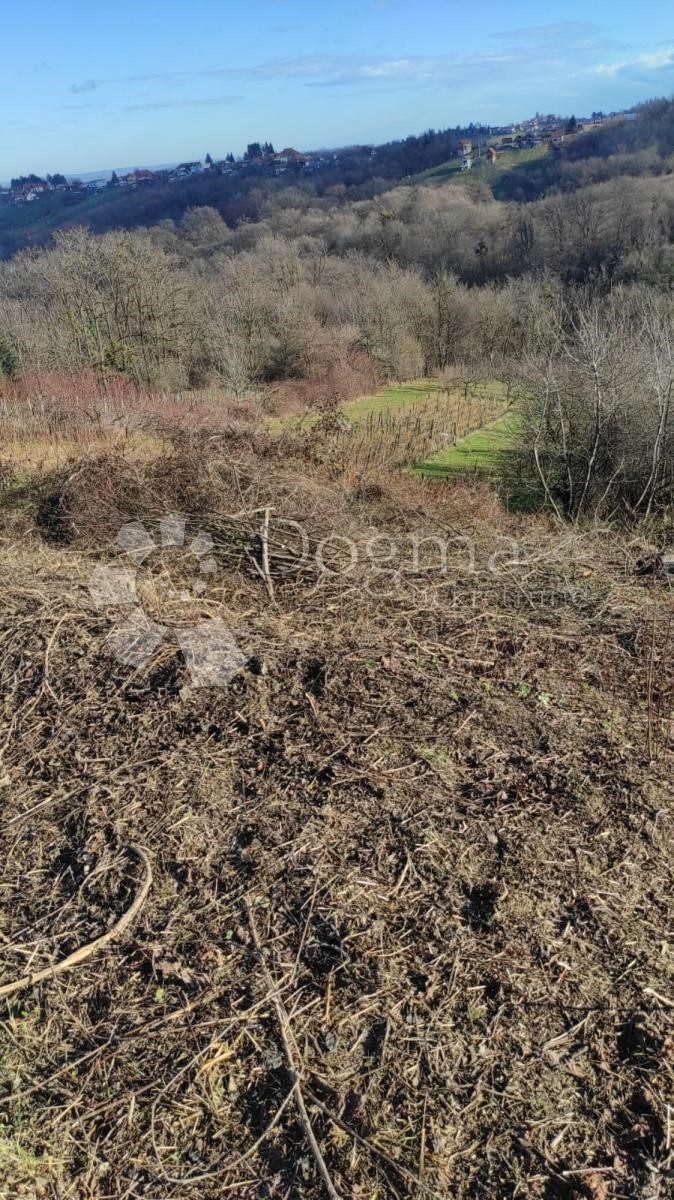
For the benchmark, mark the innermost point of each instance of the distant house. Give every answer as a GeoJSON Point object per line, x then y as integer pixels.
{"type": "Point", "coordinates": [184, 170]}
{"type": "Point", "coordinates": [630, 116]}
{"type": "Point", "coordinates": [290, 158]}
{"type": "Point", "coordinates": [491, 155]}
{"type": "Point", "coordinates": [466, 154]}
{"type": "Point", "coordinates": [134, 178]}
{"type": "Point", "coordinates": [27, 193]}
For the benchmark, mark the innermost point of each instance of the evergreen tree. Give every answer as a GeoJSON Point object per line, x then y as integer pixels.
{"type": "Point", "coordinates": [22, 179]}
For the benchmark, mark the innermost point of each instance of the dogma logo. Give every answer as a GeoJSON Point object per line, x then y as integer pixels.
{"type": "Point", "coordinates": [208, 647]}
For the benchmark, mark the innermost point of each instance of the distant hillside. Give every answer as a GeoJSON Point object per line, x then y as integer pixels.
{"type": "Point", "coordinates": [483, 173]}
{"type": "Point", "coordinates": [358, 171]}
{"type": "Point", "coordinates": [644, 146]}
{"type": "Point", "coordinates": [640, 147]}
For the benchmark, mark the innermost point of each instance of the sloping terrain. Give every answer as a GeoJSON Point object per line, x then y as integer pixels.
{"type": "Point", "coordinates": [481, 450]}
{"type": "Point", "coordinates": [399, 890]}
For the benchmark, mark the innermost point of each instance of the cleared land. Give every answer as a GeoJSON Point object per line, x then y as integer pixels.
{"type": "Point", "coordinates": [412, 863]}
{"type": "Point", "coordinates": [507, 161]}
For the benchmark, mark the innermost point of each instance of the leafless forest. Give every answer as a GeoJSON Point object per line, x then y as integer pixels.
{"type": "Point", "coordinates": [386, 913]}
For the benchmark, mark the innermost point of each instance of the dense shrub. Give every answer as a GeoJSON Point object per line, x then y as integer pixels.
{"type": "Point", "coordinates": [9, 359]}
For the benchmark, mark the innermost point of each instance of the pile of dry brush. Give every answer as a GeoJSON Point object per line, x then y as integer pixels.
{"type": "Point", "coordinates": [394, 903]}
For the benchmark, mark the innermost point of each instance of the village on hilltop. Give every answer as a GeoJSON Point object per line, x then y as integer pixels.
{"type": "Point", "coordinates": [27, 189]}
{"type": "Point", "coordinates": [490, 144]}
{"type": "Point", "coordinates": [531, 133]}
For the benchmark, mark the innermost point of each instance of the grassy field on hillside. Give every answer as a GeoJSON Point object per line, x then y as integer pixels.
{"type": "Point", "coordinates": [507, 161]}
{"type": "Point", "coordinates": [445, 170]}
{"type": "Point", "coordinates": [395, 397]}
{"type": "Point", "coordinates": [459, 400]}
{"type": "Point", "coordinates": [52, 212]}
{"type": "Point", "coordinates": [389, 399]}
{"type": "Point", "coordinates": [405, 423]}
{"type": "Point", "coordinates": [409, 424]}
{"type": "Point", "coordinates": [480, 451]}
{"type": "Point", "coordinates": [413, 394]}
{"type": "Point", "coordinates": [468, 427]}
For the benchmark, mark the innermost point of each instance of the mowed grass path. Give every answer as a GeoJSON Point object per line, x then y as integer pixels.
{"type": "Point", "coordinates": [479, 452]}
{"type": "Point", "coordinates": [392, 399]}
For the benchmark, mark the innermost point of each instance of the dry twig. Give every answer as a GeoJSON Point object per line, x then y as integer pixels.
{"type": "Point", "coordinates": [86, 952]}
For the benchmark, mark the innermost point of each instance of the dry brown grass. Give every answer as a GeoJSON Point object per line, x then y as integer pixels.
{"type": "Point", "coordinates": [46, 420]}
{"type": "Point", "coordinates": [437, 812]}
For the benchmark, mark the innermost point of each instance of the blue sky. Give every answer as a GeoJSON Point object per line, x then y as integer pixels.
{"type": "Point", "coordinates": [89, 86]}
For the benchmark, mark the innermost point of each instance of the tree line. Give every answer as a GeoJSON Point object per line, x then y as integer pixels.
{"type": "Point", "coordinates": [570, 295]}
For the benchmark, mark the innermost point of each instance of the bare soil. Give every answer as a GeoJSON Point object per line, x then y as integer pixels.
{"type": "Point", "coordinates": [408, 931]}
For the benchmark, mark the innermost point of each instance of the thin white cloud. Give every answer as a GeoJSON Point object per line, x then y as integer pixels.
{"type": "Point", "coordinates": [554, 31]}
{"type": "Point", "coordinates": [657, 60]}
{"type": "Point", "coordinates": [651, 60]}
{"type": "Point", "coordinates": [528, 57]}
{"type": "Point", "coordinates": [196, 102]}
{"type": "Point", "coordinates": [609, 69]}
